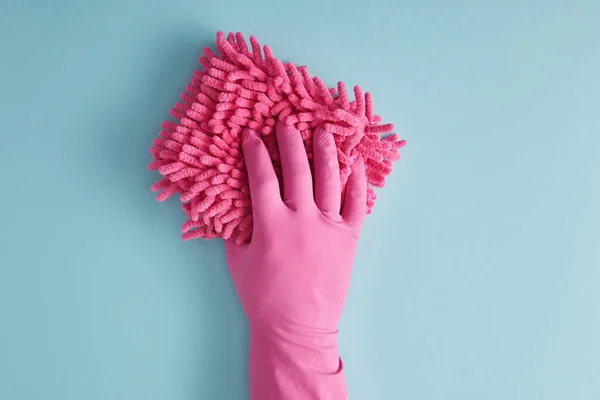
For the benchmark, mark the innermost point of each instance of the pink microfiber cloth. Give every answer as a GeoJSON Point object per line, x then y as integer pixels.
{"type": "Point", "coordinates": [201, 158]}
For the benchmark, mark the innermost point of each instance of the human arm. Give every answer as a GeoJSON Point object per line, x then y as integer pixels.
{"type": "Point", "coordinates": [293, 277]}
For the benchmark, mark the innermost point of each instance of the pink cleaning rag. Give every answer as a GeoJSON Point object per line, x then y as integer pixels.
{"type": "Point", "coordinates": [200, 157]}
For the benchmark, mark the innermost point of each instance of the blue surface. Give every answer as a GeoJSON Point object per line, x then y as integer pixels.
{"type": "Point", "coordinates": [478, 273]}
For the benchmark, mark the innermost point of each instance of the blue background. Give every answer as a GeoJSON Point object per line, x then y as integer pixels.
{"type": "Point", "coordinates": [478, 273]}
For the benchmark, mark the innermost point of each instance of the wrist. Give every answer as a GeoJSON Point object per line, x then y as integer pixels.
{"type": "Point", "coordinates": [301, 364]}
{"type": "Point", "coordinates": [307, 348]}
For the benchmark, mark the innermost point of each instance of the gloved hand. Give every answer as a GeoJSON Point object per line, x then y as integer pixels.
{"type": "Point", "coordinates": [293, 277]}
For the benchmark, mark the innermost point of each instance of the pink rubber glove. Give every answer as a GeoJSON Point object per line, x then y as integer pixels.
{"type": "Point", "coordinates": [293, 277]}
